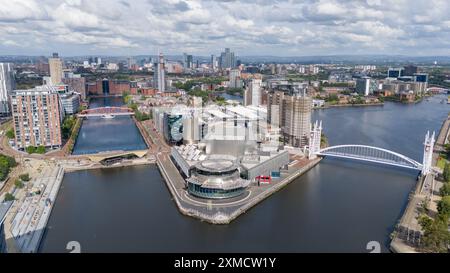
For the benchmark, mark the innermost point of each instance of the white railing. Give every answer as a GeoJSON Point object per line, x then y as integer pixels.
{"type": "Point", "coordinates": [371, 154]}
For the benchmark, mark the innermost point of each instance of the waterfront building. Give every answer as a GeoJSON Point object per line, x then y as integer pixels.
{"type": "Point", "coordinates": [394, 73]}
{"type": "Point", "coordinates": [7, 85]}
{"type": "Point", "coordinates": [296, 112]}
{"type": "Point", "coordinates": [37, 117]}
{"type": "Point", "coordinates": [366, 86]}
{"type": "Point", "coordinates": [159, 74]}
{"type": "Point", "coordinates": [70, 103]}
{"type": "Point", "coordinates": [216, 178]}
{"type": "Point", "coordinates": [214, 171]}
{"type": "Point", "coordinates": [420, 77]}
{"type": "Point", "coordinates": [227, 59]}
{"type": "Point", "coordinates": [253, 93]}
{"type": "Point", "coordinates": [56, 72]}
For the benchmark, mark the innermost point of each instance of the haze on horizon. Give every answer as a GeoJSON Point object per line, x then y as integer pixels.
{"type": "Point", "coordinates": [250, 27]}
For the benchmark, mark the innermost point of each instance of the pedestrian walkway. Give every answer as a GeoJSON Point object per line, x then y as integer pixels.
{"type": "Point", "coordinates": [29, 222]}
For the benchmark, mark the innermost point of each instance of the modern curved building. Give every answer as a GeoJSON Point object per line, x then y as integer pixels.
{"type": "Point", "coordinates": [216, 178]}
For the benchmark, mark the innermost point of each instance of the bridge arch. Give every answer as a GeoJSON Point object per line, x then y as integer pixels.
{"type": "Point", "coordinates": [107, 110]}
{"type": "Point", "coordinates": [371, 154]}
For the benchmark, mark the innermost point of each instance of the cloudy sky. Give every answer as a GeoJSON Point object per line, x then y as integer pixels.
{"type": "Point", "coordinates": [249, 27]}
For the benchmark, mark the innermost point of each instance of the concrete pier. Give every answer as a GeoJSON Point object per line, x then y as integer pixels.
{"type": "Point", "coordinates": [222, 211]}
{"type": "Point", "coordinates": [408, 232]}
{"type": "Point", "coordinates": [28, 217]}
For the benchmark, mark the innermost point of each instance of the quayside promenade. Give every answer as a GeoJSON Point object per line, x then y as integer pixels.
{"type": "Point", "coordinates": [407, 235]}
{"type": "Point", "coordinates": [224, 211]}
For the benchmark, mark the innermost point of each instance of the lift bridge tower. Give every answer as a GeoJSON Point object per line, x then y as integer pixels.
{"type": "Point", "coordinates": [314, 140]}
{"type": "Point", "coordinates": [428, 147]}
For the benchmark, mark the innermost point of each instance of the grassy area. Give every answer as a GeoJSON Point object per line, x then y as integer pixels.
{"type": "Point", "coordinates": [441, 163]}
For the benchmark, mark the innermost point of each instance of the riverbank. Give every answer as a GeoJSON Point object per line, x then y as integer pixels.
{"type": "Point", "coordinates": [27, 218]}
{"type": "Point", "coordinates": [408, 233]}
{"type": "Point", "coordinates": [349, 105]}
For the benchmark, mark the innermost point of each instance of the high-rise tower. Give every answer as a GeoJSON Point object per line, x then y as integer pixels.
{"type": "Point", "coordinates": [7, 85]}
{"type": "Point", "coordinates": [159, 74]}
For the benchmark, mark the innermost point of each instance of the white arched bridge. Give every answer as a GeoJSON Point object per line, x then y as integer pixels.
{"type": "Point", "coordinates": [370, 153]}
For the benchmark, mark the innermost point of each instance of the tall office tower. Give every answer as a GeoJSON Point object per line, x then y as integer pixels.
{"type": "Point", "coordinates": [297, 115]}
{"type": "Point", "coordinates": [213, 62]}
{"type": "Point", "coordinates": [275, 109]}
{"type": "Point", "coordinates": [55, 65]}
{"type": "Point", "coordinates": [253, 93]}
{"type": "Point", "coordinates": [235, 78]}
{"type": "Point", "coordinates": [37, 117]}
{"type": "Point", "coordinates": [184, 60]}
{"type": "Point", "coordinates": [188, 61]}
{"type": "Point", "coordinates": [7, 85]}
{"type": "Point", "coordinates": [98, 60]}
{"type": "Point", "coordinates": [159, 74]}
{"type": "Point", "coordinates": [227, 59]}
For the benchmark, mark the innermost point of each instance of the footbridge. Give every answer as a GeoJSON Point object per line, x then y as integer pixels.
{"type": "Point", "coordinates": [110, 111]}
{"type": "Point", "coordinates": [371, 153]}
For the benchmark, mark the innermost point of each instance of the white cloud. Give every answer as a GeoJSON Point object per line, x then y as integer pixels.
{"type": "Point", "coordinates": [251, 27]}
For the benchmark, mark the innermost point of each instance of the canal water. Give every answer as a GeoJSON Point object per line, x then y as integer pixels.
{"type": "Point", "coordinates": [339, 206]}
{"type": "Point", "coordinates": [100, 135]}
{"type": "Point", "coordinates": [227, 96]}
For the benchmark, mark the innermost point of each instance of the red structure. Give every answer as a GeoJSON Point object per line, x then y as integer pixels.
{"type": "Point", "coordinates": [106, 110]}
{"type": "Point", "coordinates": [264, 179]}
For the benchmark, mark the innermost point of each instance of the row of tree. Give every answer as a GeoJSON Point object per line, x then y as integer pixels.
{"type": "Point", "coordinates": [436, 236]}
{"type": "Point", "coordinates": [6, 163]}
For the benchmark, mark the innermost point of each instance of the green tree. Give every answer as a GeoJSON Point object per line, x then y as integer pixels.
{"type": "Point", "coordinates": [444, 206]}
{"type": "Point", "coordinates": [436, 236]}
{"type": "Point", "coordinates": [445, 189]}
{"type": "Point", "coordinates": [31, 149]}
{"type": "Point", "coordinates": [446, 172]}
{"type": "Point", "coordinates": [19, 184]}
{"type": "Point", "coordinates": [9, 197]}
{"type": "Point", "coordinates": [10, 134]}
{"type": "Point", "coordinates": [126, 98]}
{"type": "Point", "coordinates": [6, 163]}
{"type": "Point", "coordinates": [40, 149]}
{"type": "Point", "coordinates": [66, 128]}
{"type": "Point", "coordinates": [25, 177]}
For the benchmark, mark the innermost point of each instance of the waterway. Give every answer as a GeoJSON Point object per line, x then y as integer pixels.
{"type": "Point", "coordinates": [232, 97]}
{"type": "Point", "coordinates": [100, 135]}
{"type": "Point", "coordinates": [339, 206]}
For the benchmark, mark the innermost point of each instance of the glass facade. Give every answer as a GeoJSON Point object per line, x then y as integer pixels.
{"type": "Point", "coordinates": [198, 191]}
{"type": "Point", "coordinates": [173, 128]}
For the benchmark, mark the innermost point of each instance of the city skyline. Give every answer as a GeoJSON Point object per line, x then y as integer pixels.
{"type": "Point", "coordinates": [256, 27]}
